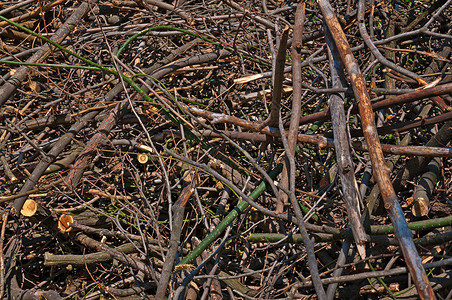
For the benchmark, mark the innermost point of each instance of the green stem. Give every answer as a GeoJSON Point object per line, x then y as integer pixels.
{"type": "Point", "coordinates": [229, 219]}
{"type": "Point", "coordinates": [417, 226]}
{"type": "Point", "coordinates": [100, 67]}
{"type": "Point", "coordinates": [306, 210]}
{"type": "Point", "coordinates": [243, 204]}
{"type": "Point", "coordinates": [375, 230]}
{"type": "Point", "coordinates": [381, 282]}
{"type": "Point", "coordinates": [22, 63]}
{"type": "Point", "coordinates": [109, 70]}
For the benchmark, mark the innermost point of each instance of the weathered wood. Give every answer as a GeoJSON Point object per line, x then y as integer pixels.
{"type": "Point", "coordinates": [424, 189]}
{"type": "Point", "coordinates": [342, 149]}
{"type": "Point", "coordinates": [52, 154]}
{"type": "Point", "coordinates": [170, 258]}
{"type": "Point", "coordinates": [417, 165]}
{"type": "Point", "coordinates": [380, 171]}
{"type": "Point", "coordinates": [82, 260]}
{"type": "Point", "coordinates": [85, 157]}
{"type": "Point", "coordinates": [289, 167]}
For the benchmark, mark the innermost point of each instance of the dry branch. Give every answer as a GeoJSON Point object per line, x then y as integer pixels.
{"type": "Point", "coordinates": [120, 256]}
{"type": "Point", "coordinates": [81, 260]}
{"type": "Point", "coordinates": [342, 149]}
{"type": "Point", "coordinates": [380, 171]}
{"type": "Point", "coordinates": [383, 273]}
{"type": "Point", "coordinates": [424, 189]}
{"type": "Point", "coordinates": [397, 100]}
{"type": "Point", "coordinates": [416, 165]}
{"type": "Point", "coordinates": [278, 80]}
{"type": "Point", "coordinates": [167, 270]}
{"type": "Point", "coordinates": [85, 157]}
{"type": "Point", "coordinates": [9, 87]}
{"type": "Point", "coordinates": [53, 153]}
{"type": "Point", "coordinates": [175, 51]}
{"type": "Point", "coordinates": [288, 175]}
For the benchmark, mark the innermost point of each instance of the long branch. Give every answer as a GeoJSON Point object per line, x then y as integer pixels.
{"type": "Point", "coordinates": [380, 171]}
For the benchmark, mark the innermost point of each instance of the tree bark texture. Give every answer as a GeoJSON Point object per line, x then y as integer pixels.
{"type": "Point", "coordinates": [380, 171]}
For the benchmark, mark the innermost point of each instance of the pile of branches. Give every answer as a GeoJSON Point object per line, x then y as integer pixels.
{"type": "Point", "coordinates": [223, 149]}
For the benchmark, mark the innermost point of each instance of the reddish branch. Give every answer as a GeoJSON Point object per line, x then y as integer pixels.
{"type": "Point", "coordinates": [398, 100]}
{"type": "Point", "coordinates": [319, 140]}
{"type": "Point", "coordinates": [370, 44]}
{"type": "Point", "coordinates": [405, 126]}
{"type": "Point", "coordinates": [84, 159]}
{"type": "Point", "coordinates": [223, 118]}
{"type": "Point", "coordinates": [380, 171]}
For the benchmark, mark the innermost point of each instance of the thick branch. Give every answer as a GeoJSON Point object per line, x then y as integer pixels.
{"type": "Point", "coordinates": [380, 171]}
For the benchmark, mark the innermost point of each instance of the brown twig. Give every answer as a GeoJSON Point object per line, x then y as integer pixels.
{"type": "Point", "coordinates": [397, 100]}
{"type": "Point", "coordinates": [2, 257]}
{"type": "Point", "coordinates": [380, 171]}
{"type": "Point", "coordinates": [278, 80]}
{"type": "Point", "coordinates": [178, 215]}
{"type": "Point", "coordinates": [11, 85]}
{"type": "Point", "coordinates": [342, 149]}
{"type": "Point", "coordinates": [289, 147]}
